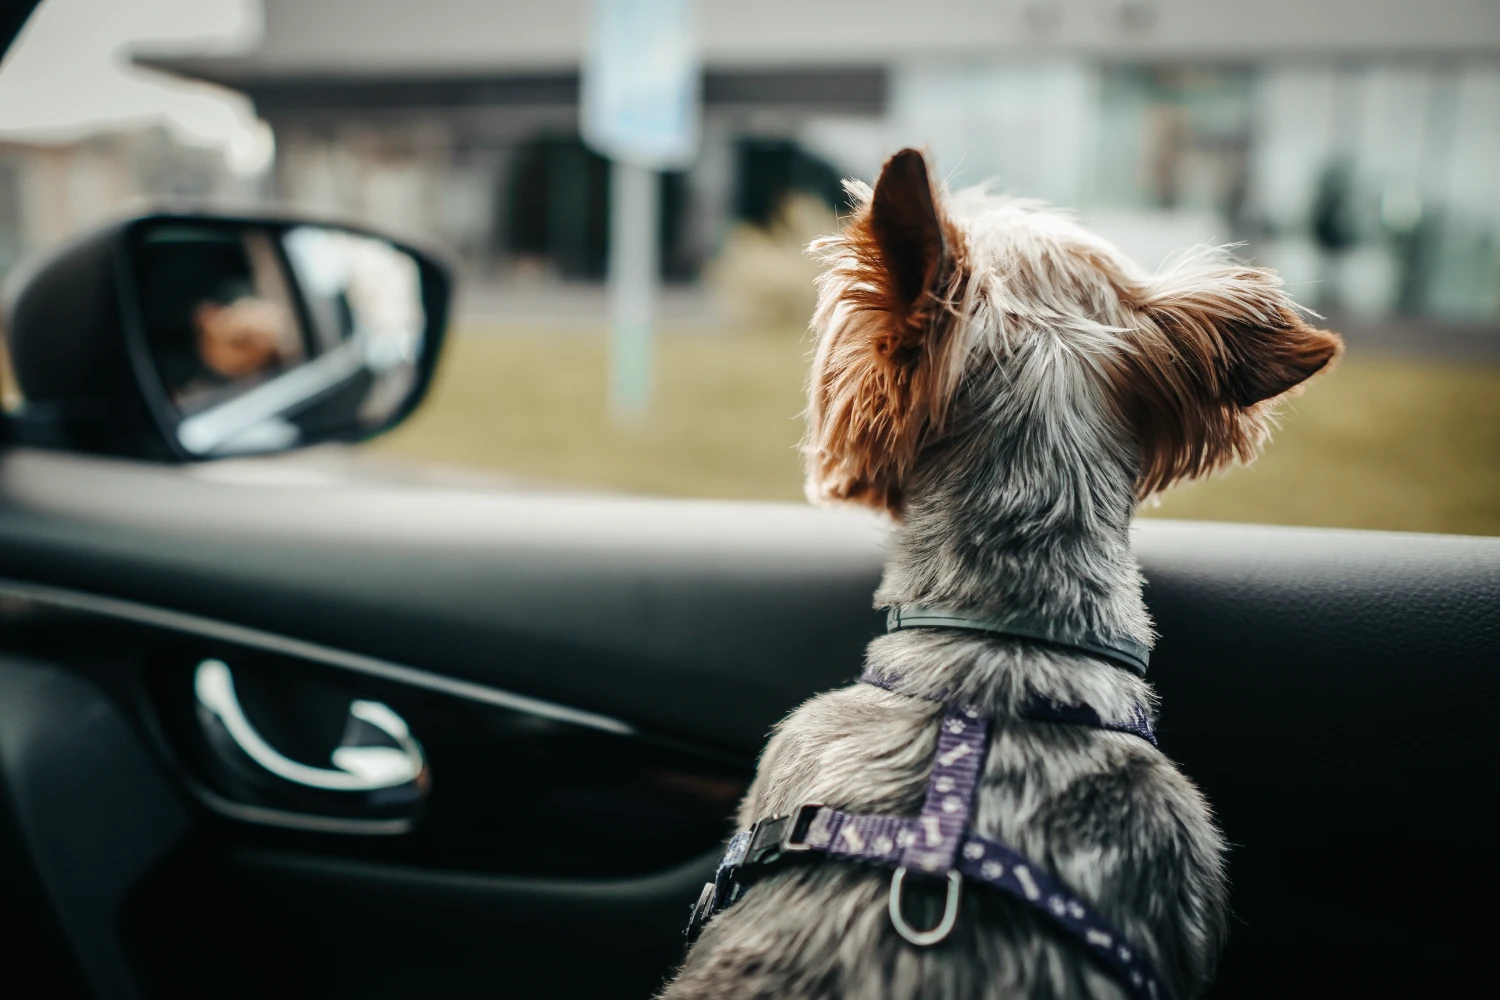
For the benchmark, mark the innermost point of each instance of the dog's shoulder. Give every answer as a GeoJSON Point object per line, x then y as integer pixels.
{"type": "Point", "coordinates": [856, 747]}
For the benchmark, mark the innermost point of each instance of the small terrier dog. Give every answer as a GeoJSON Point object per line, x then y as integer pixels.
{"type": "Point", "coordinates": [1007, 386]}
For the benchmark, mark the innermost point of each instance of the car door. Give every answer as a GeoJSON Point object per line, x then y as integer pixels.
{"type": "Point", "coordinates": [591, 678]}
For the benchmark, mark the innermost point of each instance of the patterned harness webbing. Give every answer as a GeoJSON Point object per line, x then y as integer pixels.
{"type": "Point", "coordinates": [936, 843]}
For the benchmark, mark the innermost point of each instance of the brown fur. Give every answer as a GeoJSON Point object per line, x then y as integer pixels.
{"type": "Point", "coordinates": [887, 373]}
{"type": "Point", "coordinates": [1207, 354]}
{"type": "Point", "coordinates": [1210, 365]}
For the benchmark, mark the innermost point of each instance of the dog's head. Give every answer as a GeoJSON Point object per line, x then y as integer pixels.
{"type": "Point", "coordinates": [941, 319]}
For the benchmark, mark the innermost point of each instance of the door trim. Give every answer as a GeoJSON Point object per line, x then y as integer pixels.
{"type": "Point", "coordinates": [209, 628]}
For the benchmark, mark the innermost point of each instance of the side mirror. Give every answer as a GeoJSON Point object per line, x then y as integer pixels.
{"type": "Point", "coordinates": [187, 337]}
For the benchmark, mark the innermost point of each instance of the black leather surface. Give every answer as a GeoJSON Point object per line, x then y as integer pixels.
{"type": "Point", "coordinates": [1364, 652]}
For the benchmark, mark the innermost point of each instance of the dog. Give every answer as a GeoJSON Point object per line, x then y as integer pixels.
{"type": "Point", "coordinates": [1008, 387]}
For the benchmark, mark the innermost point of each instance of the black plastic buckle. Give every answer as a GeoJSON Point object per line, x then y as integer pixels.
{"type": "Point", "coordinates": [702, 911]}
{"type": "Point", "coordinates": [773, 838]}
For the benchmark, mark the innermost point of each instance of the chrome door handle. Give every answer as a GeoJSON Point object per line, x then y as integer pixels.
{"type": "Point", "coordinates": [356, 768]}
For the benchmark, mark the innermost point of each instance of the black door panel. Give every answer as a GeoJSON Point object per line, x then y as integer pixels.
{"type": "Point", "coordinates": [90, 813]}
{"type": "Point", "coordinates": [542, 838]}
{"type": "Point", "coordinates": [1330, 690]}
{"type": "Point", "coordinates": [683, 618]}
{"type": "Point", "coordinates": [307, 926]}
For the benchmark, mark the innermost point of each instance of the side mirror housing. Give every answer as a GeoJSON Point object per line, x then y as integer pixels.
{"type": "Point", "coordinates": [189, 337]}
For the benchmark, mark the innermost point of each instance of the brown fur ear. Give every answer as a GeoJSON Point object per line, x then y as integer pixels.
{"type": "Point", "coordinates": [1218, 347]}
{"type": "Point", "coordinates": [885, 367]}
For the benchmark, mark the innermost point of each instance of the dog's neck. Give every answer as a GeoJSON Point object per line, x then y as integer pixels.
{"type": "Point", "coordinates": [1031, 535]}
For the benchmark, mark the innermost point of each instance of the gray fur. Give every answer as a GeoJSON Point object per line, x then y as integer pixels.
{"type": "Point", "coordinates": [1024, 506]}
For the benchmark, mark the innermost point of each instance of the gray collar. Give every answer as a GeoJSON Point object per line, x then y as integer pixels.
{"type": "Point", "coordinates": [1125, 652]}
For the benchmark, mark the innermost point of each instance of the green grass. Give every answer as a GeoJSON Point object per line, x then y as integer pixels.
{"type": "Point", "coordinates": [724, 421]}
{"type": "Point", "coordinates": [1376, 444]}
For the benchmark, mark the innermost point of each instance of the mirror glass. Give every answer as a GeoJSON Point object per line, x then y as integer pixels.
{"type": "Point", "coordinates": [268, 337]}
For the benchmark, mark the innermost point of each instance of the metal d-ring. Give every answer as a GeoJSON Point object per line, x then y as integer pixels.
{"type": "Point", "coordinates": [923, 939]}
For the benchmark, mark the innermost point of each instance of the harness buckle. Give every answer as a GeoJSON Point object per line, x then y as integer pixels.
{"type": "Point", "coordinates": [802, 821]}
{"type": "Point", "coordinates": [776, 836]}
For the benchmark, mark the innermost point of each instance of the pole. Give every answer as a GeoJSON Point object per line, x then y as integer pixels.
{"type": "Point", "coordinates": [633, 214]}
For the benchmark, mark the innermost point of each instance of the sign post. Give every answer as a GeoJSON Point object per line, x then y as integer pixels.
{"type": "Point", "coordinates": [639, 107]}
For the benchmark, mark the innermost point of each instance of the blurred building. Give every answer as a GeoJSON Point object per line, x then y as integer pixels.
{"type": "Point", "coordinates": [1351, 143]}
{"type": "Point", "coordinates": [51, 191]}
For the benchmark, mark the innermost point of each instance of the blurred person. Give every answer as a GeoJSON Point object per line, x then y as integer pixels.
{"type": "Point", "coordinates": [238, 340]}
{"type": "Point", "coordinates": [217, 311]}
{"type": "Point", "coordinates": [228, 340]}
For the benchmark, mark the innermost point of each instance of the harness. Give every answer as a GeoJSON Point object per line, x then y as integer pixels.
{"type": "Point", "coordinates": [937, 843]}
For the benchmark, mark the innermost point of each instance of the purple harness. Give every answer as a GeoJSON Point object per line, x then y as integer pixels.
{"type": "Point", "coordinates": [937, 843]}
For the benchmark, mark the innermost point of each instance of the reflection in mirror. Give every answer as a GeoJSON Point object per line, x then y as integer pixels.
{"type": "Point", "coordinates": [268, 337]}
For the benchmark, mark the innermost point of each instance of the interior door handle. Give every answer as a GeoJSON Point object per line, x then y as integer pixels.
{"type": "Point", "coordinates": [356, 768]}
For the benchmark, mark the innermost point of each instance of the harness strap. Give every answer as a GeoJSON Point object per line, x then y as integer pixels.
{"type": "Point", "coordinates": [1004, 868]}
{"type": "Point", "coordinates": [819, 831]}
{"type": "Point", "coordinates": [933, 843]}
{"type": "Point", "coordinates": [1039, 709]}
{"type": "Point", "coordinates": [963, 742]}
{"type": "Point", "coordinates": [875, 840]}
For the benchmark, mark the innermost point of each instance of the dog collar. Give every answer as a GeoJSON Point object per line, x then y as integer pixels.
{"type": "Point", "coordinates": [1127, 653]}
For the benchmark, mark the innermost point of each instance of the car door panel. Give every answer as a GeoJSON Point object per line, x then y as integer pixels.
{"type": "Point", "coordinates": [1326, 688]}
{"type": "Point", "coordinates": [656, 602]}
{"type": "Point", "coordinates": [90, 808]}
{"type": "Point", "coordinates": [524, 856]}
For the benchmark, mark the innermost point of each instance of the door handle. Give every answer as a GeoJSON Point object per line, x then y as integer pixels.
{"type": "Point", "coordinates": [356, 768]}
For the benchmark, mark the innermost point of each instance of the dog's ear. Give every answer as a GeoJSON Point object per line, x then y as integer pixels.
{"type": "Point", "coordinates": [886, 364]}
{"type": "Point", "coordinates": [906, 229]}
{"type": "Point", "coordinates": [1219, 344]}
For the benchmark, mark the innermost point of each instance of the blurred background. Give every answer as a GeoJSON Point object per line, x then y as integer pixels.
{"type": "Point", "coordinates": [1352, 144]}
